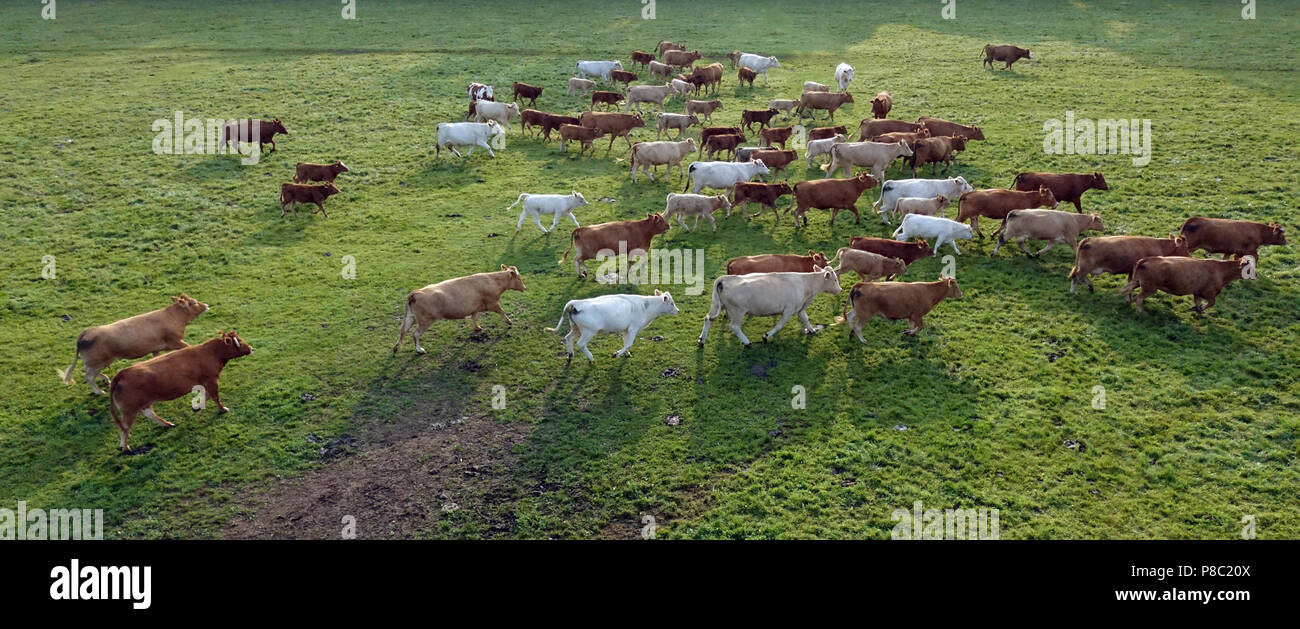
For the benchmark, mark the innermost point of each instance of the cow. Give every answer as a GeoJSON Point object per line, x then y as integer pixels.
{"type": "Point", "coordinates": [605, 98]}
{"type": "Point", "coordinates": [843, 76]}
{"type": "Point", "coordinates": [813, 86]}
{"type": "Point", "coordinates": [584, 136]}
{"type": "Point", "coordinates": [708, 132]}
{"type": "Point", "coordinates": [660, 69]}
{"type": "Point", "coordinates": [896, 300]}
{"type": "Point", "coordinates": [502, 113]}
{"type": "Point", "coordinates": [579, 85]}
{"type": "Point", "coordinates": [776, 160]}
{"type": "Point", "coordinates": [775, 135]}
{"type": "Point", "coordinates": [1050, 225]}
{"type": "Point", "coordinates": [642, 58]}
{"type": "Point", "coordinates": [457, 298]}
{"type": "Point", "coordinates": [723, 142]}
{"type": "Point", "coordinates": [830, 194]}
{"type": "Point", "coordinates": [902, 136]}
{"type": "Point", "coordinates": [723, 175]}
{"type": "Point", "coordinates": [532, 118]}
{"type": "Point", "coordinates": [556, 205]}
{"type": "Point", "coordinates": [1230, 237]}
{"type": "Point", "coordinates": [933, 227]}
{"type": "Point", "coordinates": [664, 46]}
{"type": "Point", "coordinates": [1066, 187]}
{"type": "Point", "coordinates": [869, 266]}
{"type": "Point", "coordinates": [709, 76]}
{"type": "Point", "coordinates": [245, 130]}
{"type": "Point", "coordinates": [134, 390]}
{"type": "Point", "coordinates": [812, 101]}
{"type": "Point", "coordinates": [152, 332]}
{"type": "Point", "coordinates": [619, 76]}
{"type": "Point", "coordinates": [932, 206]}
{"type": "Point", "coordinates": [681, 122]}
{"type": "Point", "coordinates": [746, 74]}
{"type": "Point", "coordinates": [598, 68]}
{"type": "Point", "coordinates": [822, 133]}
{"type": "Point", "coordinates": [616, 125]}
{"type": "Point", "coordinates": [307, 171]}
{"type": "Point", "coordinates": [291, 194]}
{"type": "Point", "coordinates": [526, 91]}
{"type": "Point", "coordinates": [1005, 54]}
{"type": "Point", "coordinates": [997, 202]}
{"type": "Point", "coordinates": [908, 252]}
{"type": "Point", "coordinates": [554, 121]}
{"type": "Point", "coordinates": [757, 63]}
{"type": "Point", "coordinates": [703, 108]}
{"type": "Point", "coordinates": [681, 58]}
{"type": "Point", "coordinates": [471, 134]}
{"type": "Point", "coordinates": [615, 314]}
{"type": "Point", "coordinates": [777, 263]}
{"type": "Point", "coordinates": [784, 105]}
{"type": "Point", "coordinates": [647, 155]}
{"type": "Point", "coordinates": [1178, 275]}
{"type": "Point", "coordinates": [765, 194]}
{"type": "Point", "coordinates": [933, 150]}
{"type": "Point", "coordinates": [939, 127]}
{"type": "Point", "coordinates": [875, 155]}
{"type": "Point", "coordinates": [654, 94]}
{"type": "Point", "coordinates": [881, 104]}
{"type": "Point", "coordinates": [870, 128]}
{"type": "Point", "coordinates": [1118, 254]}
{"type": "Point", "coordinates": [697, 205]}
{"type": "Point", "coordinates": [767, 295]}
{"type": "Point", "coordinates": [682, 87]}
{"type": "Point", "coordinates": [632, 237]}
{"type": "Point", "coordinates": [822, 147]}
{"type": "Point", "coordinates": [479, 91]}
{"type": "Point", "coordinates": [897, 189]}
{"type": "Point", "coordinates": [762, 117]}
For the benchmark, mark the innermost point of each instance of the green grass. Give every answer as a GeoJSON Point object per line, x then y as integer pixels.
{"type": "Point", "coordinates": [1201, 415]}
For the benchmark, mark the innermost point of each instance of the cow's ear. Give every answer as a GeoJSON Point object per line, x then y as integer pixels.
{"type": "Point", "coordinates": [176, 300]}
{"type": "Point", "coordinates": [503, 267]}
{"type": "Point", "coordinates": [657, 292]}
{"type": "Point", "coordinates": [667, 298]}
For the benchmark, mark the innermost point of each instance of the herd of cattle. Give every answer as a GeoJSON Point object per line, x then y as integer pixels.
{"type": "Point", "coordinates": [769, 284]}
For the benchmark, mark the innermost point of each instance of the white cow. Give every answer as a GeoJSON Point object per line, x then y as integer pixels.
{"type": "Point", "coordinates": [500, 112]}
{"type": "Point", "coordinates": [843, 76]}
{"type": "Point", "coordinates": [697, 204]}
{"type": "Point", "coordinates": [625, 314]}
{"type": "Point", "coordinates": [647, 155]}
{"type": "Point", "coordinates": [471, 134]}
{"type": "Point", "coordinates": [684, 88]}
{"type": "Point", "coordinates": [894, 190]}
{"type": "Point", "coordinates": [655, 94]}
{"type": "Point", "coordinates": [723, 174]}
{"type": "Point", "coordinates": [823, 146]}
{"type": "Point", "coordinates": [875, 155]}
{"type": "Point", "coordinates": [767, 295]}
{"type": "Point", "coordinates": [556, 205]}
{"type": "Point", "coordinates": [758, 63]}
{"type": "Point", "coordinates": [937, 227]}
{"type": "Point", "coordinates": [814, 86]}
{"type": "Point", "coordinates": [598, 68]}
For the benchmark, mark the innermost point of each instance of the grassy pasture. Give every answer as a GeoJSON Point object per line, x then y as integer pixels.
{"type": "Point", "coordinates": [1201, 414]}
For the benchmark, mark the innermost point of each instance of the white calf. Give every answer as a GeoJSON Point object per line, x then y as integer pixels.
{"type": "Point", "coordinates": [937, 227]}
{"type": "Point", "coordinates": [471, 134]}
{"type": "Point", "coordinates": [556, 205]}
{"type": "Point", "coordinates": [767, 295]}
{"type": "Point", "coordinates": [843, 76]}
{"type": "Point", "coordinates": [723, 174]}
{"type": "Point", "coordinates": [894, 190]}
{"type": "Point", "coordinates": [625, 314]}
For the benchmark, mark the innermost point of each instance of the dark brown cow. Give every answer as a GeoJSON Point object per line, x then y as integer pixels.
{"type": "Point", "coordinates": [1066, 187]}
{"type": "Point", "coordinates": [933, 150]}
{"type": "Point", "coordinates": [761, 116]}
{"type": "Point", "coordinates": [621, 76]}
{"type": "Point", "coordinates": [708, 76]}
{"type": "Point", "coordinates": [526, 91]}
{"type": "Point", "coordinates": [776, 160]}
{"type": "Point", "coordinates": [1118, 254]}
{"type": "Point", "coordinates": [642, 58]}
{"type": "Point", "coordinates": [307, 171]}
{"type": "Point", "coordinates": [996, 203]}
{"type": "Point", "coordinates": [765, 194]}
{"type": "Point", "coordinates": [707, 132]}
{"type": "Point", "coordinates": [722, 142]}
{"type": "Point", "coordinates": [881, 104]}
{"type": "Point", "coordinates": [938, 127]}
{"type": "Point", "coordinates": [555, 121]}
{"type": "Point", "coordinates": [134, 390]}
{"type": "Point", "coordinates": [291, 194]}
{"type": "Point", "coordinates": [830, 194]}
{"type": "Point", "coordinates": [245, 130]}
{"type": "Point", "coordinates": [1005, 54]}
{"type": "Point", "coordinates": [745, 74]}
{"type": "Point", "coordinates": [616, 125]}
{"type": "Point", "coordinates": [590, 240]}
{"type": "Point", "coordinates": [776, 263]}
{"type": "Point", "coordinates": [1177, 275]}
{"type": "Point", "coordinates": [822, 133]}
{"type": "Point", "coordinates": [870, 128]}
{"type": "Point", "coordinates": [1230, 237]}
{"type": "Point", "coordinates": [909, 252]}
{"type": "Point", "coordinates": [605, 98]}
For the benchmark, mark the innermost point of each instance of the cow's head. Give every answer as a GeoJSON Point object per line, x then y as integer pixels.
{"type": "Point", "coordinates": [962, 186]}
{"type": "Point", "coordinates": [952, 290]}
{"type": "Point", "coordinates": [829, 281]}
{"type": "Point", "coordinates": [818, 258]}
{"type": "Point", "coordinates": [189, 307]}
{"type": "Point", "coordinates": [340, 167]}
{"type": "Point", "coordinates": [577, 196]}
{"type": "Point", "coordinates": [895, 266]}
{"type": "Point", "coordinates": [1098, 182]}
{"type": "Point", "coordinates": [1275, 235]}
{"type": "Point", "coordinates": [782, 188]}
{"type": "Point", "coordinates": [760, 167]}
{"type": "Point", "coordinates": [329, 189]}
{"type": "Point", "coordinates": [921, 247]}
{"type": "Point", "coordinates": [905, 149]}
{"type": "Point", "coordinates": [230, 346]}
{"type": "Point", "coordinates": [775, 63]}
{"type": "Point", "coordinates": [278, 127]}
{"type": "Point", "coordinates": [1094, 222]}
{"type": "Point", "coordinates": [666, 303]}
{"type": "Point", "coordinates": [1045, 197]}
{"type": "Point", "coordinates": [513, 279]}
{"type": "Point", "coordinates": [658, 224]}
{"type": "Point", "coordinates": [846, 97]}
{"type": "Point", "coordinates": [866, 180]}
{"type": "Point", "coordinates": [958, 142]}
{"type": "Point", "coordinates": [720, 202]}
{"type": "Point", "coordinates": [1024, 52]}
{"type": "Point", "coordinates": [1180, 245]}
{"type": "Point", "coordinates": [618, 64]}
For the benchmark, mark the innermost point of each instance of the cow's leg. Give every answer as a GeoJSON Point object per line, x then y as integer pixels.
{"type": "Point", "coordinates": [1142, 296]}
{"type": "Point", "coordinates": [453, 150]}
{"type": "Point", "coordinates": [568, 338]}
{"type": "Point", "coordinates": [975, 226]}
{"type": "Point", "coordinates": [148, 412]}
{"type": "Point", "coordinates": [697, 224]}
{"type": "Point", "coordinates": [272, 146]}
{"type": "Point", "coordinates": [582, 344]}
{"type": "Point", "coordinates": [681, 220]}
{"type": "Point", "coordinates": [834, 212]}
{"type": "Point", "coordinates": [712, 222]}
{"type": "Point", "coordinates": [496, 307]}
{"type": "Point", "coordinates": [474, 319]}
{"type": "Point", "coordinates": [918, 322]}
{"type": "Point", "coordinates": [736, 320]}
{"type": "Point", "coordinates": [92, 374]}
{"type": "Point", "coordinates": [1050, 244]}
{"type": "Point", "coordinates": [575, 219]}
{"type": "Point", "coordinates": [1078, 205]}
{"type": "Point", "coordinates": [780, 323]}
{"type": "Point", "coordinates": [807, 325]}
{"type": "Point", "coordinates": [953, 242]}
{"type": "Point", "coordinates": [1021, 243]}
{"type": "Point", "coordinates": [554, 220]}
{"type": "Point", "coordinates": [321, 206]}
{"type": "Point", "coordinates": [1196, 305]}
{"type": "Point", "coordinates": [629, 337]}
{"type": "Point", "coordinates": [419, 349]}
{"type": "Point", "coordinates": [124, 428]}
{"type": "Point", "coordinates": [857, 218]}
{"type": "Point", "coordinates": [486, 147]}
{"type": "Point", "coordinates": [212, 389]}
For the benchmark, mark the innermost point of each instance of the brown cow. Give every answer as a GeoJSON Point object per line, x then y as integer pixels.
{"type": "Point", "coordinates": [1005, 54]}
{"type": "Point", "coordinates": [1050, 225]}
{"type": "Point", "coordinates": [933, 150]}
{"type": "Point", "coordinates": [621, 76]}
{"type": "Point", "coordinates": [531, 118]}
{"type": "Point", "coordinates": [665, 46]}
{"type": "Point", "coordinates": [776, 160]}
{"type": "Point", "coordinates": [869, 266]}
{"type": "Point", "coordinates": [830, 194]}
{"type": "Point", "coordinates": [830, 101]}
{"type": "Point", "coordinates": [681, 58]}
{"type": "Point", "coordinates": [708, 76]}
{"type": "Point", "coordinates": [1177, 275]}
{"type": "Point", "coordinates": [526, 91]}
{"type": "Point", "coordinates": [938, 127]}
{"type": "Point", "coordinates": [642, 58]}
{"type": "Point", "coordinates": [905, 137]}
{"type": "Point", "coordinates": [722, 142]}
{"type": "Point", "coordinates": [191, 369]}
{"type": "Point", "coordinates": [627, 237]}
{"type": "Point", "coordinates": [707, 132]}
{"type": "Point", "coordinates": [1118, 254]}
{"type": "Point", "coordinates": [997, 202]}
{"type": "Point", "coordinates": [244, 130]}
{"type": "Point", "coordinates": [762, 116]}
{"type": "Point", "coordinates": [870, 128]}
{"type": "Point", "coordinates": [133, 337]}
{"type": "Point", "coordinates": [291, 194]}
{"type": "Point", "coordinates": [584, 136]}
{"type": "Point", "coordinates": [909, 252]}
{"type": "Point", "coordinates": [881, 104]}
{"type": "Point", "coordinates": [555, 121]}
{"type": "Point", "coordinates": [775, 135]}
{"type": "Point", "coordinates": [457, 298]}
{"type": "Point", "coordinates": [822, 133]}
{"type": "Point", "coordinates": [615, 124]}
{"type": "Point", "coordinates": [605, 98]}
{"type": "Point", "coordinates": [1066, 187]}
{"type": "Point", "coordinates": [776, 263]}
{"type": "Point", "coordinates": [765, 194]}
{"type": "Point", "coordinates": [746, 74]}
{"type": "Point", "coordinates": [896, 300]}
{"type": "Point", "coordinates": [307, 171]}
{"type": "Point", "coordinates": [1230, 237]}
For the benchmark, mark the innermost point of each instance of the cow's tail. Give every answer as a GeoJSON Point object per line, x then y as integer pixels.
{"type": "Point", "coordinates": [66, 374]}
{"type": "Point", "coordinates": [408, 320]}
{"type": "Point", "coordinates": [1133, 281]}
{"type": "Point", "coordinates": [1001, 228]}
{"type": "Point", "coordinates": [844, 312]}
{"type": "Point", "coordinates": [1016, 182]}
{"type": "Point", "coordinates": [568, 310]}
{"type": "Point", "coordinates": [571, 248]}
{"type": "Point", "coordinates": [522, 196]}
{"type": "Point", "coordinates": [875, 207]}
{"type": "Point", "coordinates": [284, 195]}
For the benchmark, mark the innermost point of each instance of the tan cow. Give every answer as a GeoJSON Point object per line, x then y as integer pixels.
{"type": "Point", "coordinates": [457, 298]}
{"type": "Point", "coordinates": [867, 265]}
{"type": "Point", "coordinates": [647, 155]}
{"type": "Point", "coordinates": [777, 262]}
{"type": "Point", "coordinates": [1051, 225]}
{"type": "Point", "coordinates": [1118, 254]}
{"type": "Point", "coordinates": [997, 202]}
{"type": "Point", "coordinates": [768, 295]}
{"type": "Point", "coordinates": [149, 333]}
{"type": "Point", "coordinates": [830, 101]}
{"type": "Point", "coordinates": [896, 300]}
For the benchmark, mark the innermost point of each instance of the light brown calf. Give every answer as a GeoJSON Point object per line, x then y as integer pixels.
{"type": "Point", "coordinates": [457, 298]}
